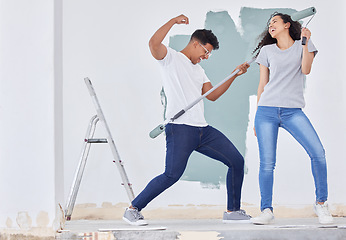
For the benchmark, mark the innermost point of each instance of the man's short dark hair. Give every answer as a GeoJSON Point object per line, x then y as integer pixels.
{"type": "Point", "coordinates": [205, 36]}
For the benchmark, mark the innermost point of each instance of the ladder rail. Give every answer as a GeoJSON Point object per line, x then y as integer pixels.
{"type": "Point", "coordinates": [117, 160]}
{"type": "Point", "coordinates": [80, 169]}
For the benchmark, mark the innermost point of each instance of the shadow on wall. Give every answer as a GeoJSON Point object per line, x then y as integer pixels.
{"type": "Point", "coordinates": [230, 113]}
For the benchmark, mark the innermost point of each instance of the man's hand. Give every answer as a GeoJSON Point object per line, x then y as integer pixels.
{"type": "Point", "coordinates": [182, 19]}
{"type": "Point", "coordinates": [243, 69]}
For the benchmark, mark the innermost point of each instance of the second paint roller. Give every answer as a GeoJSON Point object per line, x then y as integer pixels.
{"type": "Point", "coordinates": [303, 14]}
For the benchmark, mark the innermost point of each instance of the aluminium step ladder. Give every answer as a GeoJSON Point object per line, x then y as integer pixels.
{"type": "Point", "coordinates": [85, 152]}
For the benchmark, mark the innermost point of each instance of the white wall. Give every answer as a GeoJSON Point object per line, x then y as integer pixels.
{"type": "Point", "coordinates": [30, 113]}
{"type": "Point", "coordinates": [108, 42]}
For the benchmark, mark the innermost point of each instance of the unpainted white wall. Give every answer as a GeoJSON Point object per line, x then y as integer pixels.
{"type": "Point", "coordinates": [31, 164]}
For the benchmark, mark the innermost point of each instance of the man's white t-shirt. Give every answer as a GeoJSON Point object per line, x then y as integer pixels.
{"type": "Point", "coordinates": [182, 83]}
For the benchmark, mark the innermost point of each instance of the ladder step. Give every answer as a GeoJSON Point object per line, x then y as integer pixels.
{"type": "Point", "coordinates": [96, 140]}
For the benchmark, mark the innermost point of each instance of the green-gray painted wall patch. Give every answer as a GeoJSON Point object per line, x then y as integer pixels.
{"type": "Point", "coordinates": [230, 113]}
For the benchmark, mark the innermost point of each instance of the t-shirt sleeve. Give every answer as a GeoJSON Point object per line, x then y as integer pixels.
{"type": "Point", "coordinates": [205, 77]}
{"type": "Point", "coordinates": [168, 58]}
{"type": "Point", "coordinates": [262, 57]}
{"type": "Point", "coordinates": [311, 47]}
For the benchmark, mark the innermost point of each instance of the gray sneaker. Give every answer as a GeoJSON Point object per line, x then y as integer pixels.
{"type": "Point", "coordinates": [239, 216]}
{"type": "Point", "coordinates": [134, 217]}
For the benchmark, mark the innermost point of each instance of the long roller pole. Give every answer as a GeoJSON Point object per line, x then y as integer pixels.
{"type": "Point", "coordinates": [160, 128]}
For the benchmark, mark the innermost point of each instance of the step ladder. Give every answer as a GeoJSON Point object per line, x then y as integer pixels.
{"type": "Point", "coordinates": [85, 152]}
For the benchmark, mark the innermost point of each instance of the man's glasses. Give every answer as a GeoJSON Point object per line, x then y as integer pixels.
{"type": "Point", "coordinates": [207, 53]}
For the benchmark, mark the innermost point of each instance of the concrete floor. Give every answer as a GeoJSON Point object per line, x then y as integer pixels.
{"type": "Point", "coordinates": [203, 229]}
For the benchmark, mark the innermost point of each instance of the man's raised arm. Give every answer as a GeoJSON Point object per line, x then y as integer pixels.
{"type": "Point", "coordinates": [157, 49]}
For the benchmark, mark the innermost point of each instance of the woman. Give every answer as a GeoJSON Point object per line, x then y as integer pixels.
{"type": "Point", "coordinates": [283, 63]}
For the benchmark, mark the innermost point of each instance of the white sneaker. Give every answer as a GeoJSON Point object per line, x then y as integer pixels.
{"type": "Point", "coordinates": [322, 211]}
{"type": "Point", "coordinates": [266, 217]}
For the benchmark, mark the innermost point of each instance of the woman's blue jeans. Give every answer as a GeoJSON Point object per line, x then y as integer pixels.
{"type": "Point", "coordinates": [267, 122]}
{"type": "Point", "coordinates": [181, 141]}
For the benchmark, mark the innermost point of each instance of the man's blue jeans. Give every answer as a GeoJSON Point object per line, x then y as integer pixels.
{"type": "Point", "coordinates": [267, 122]}
{"type": "Point", "coordinates": [181, 141]}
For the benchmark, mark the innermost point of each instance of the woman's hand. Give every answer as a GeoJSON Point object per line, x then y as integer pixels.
{"type": "Point", "coordinates": [306, 33]}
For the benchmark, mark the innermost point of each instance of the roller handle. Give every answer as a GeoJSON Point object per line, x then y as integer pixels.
{"type": "Point", "coordinates": [178, 115]}
{"type": "Point", "coordinates": [304, 41]}
{"type": "Point", "coordinates": [251, 60]}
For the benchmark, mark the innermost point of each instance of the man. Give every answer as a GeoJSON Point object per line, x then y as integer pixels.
{"type": "Point", "coordinates": [184, 81]}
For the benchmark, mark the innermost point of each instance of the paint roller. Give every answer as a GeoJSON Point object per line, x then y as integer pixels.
{"type": "Point", "coordinates": [160, 128]}
{"type": "Point", "coordinates": [303, 14]}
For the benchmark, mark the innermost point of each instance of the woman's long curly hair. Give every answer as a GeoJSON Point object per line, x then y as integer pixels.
{"type": "Point", "coordinates": [266, 38]}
